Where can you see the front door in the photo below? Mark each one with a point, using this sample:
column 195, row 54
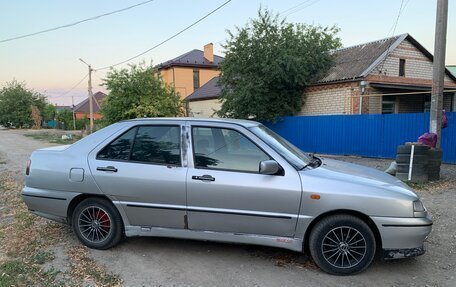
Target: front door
column 142, row 169
column 226, row 192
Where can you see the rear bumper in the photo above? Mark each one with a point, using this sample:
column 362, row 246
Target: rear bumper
column 403, row 237
column 403, row 253
column 50, row 204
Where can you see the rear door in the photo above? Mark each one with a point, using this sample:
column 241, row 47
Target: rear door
column 225, row 191
column 142, row 169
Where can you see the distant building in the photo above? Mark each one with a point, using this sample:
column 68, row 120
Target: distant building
column 392, row 75
column 452, row 69
column 191, row 70
column 204, row 102
column 82, row 110
column 59, row 108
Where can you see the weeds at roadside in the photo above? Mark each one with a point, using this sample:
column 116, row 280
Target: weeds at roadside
column 53, row 138
column 434, row 186
column 82, row 266
column 26, row 247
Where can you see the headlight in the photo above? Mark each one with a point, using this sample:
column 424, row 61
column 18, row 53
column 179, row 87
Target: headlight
column 418, row 209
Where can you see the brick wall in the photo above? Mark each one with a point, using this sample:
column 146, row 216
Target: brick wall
column 204, row 109
column 327, row 99
column 417, row 65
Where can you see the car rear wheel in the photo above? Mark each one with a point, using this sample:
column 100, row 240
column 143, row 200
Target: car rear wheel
column 97, row 223
column 342, row 244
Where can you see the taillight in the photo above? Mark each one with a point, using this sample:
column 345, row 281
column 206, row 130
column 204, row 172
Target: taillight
column 27, row 170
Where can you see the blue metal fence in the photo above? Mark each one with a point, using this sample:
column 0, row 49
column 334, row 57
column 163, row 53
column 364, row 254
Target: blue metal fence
column 363, row 135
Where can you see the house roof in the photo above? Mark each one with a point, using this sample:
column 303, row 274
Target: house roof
column 452, row 69
column 194, row 58
column 83, row 107
column 358, row 61
column 210, row 90
column 351, row 63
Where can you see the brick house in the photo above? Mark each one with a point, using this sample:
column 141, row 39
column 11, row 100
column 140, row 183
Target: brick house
column 204, row 102
column 191, row 70
column 392, row 75
column 82, row 110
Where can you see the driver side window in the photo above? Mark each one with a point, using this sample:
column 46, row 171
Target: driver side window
column 225, row 149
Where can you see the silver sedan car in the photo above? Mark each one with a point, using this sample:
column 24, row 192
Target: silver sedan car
column 224, row 180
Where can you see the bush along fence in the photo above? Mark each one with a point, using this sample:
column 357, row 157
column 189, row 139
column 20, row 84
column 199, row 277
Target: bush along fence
column 362, row 135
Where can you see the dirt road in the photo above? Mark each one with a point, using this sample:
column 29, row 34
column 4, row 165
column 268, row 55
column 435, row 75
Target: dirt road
column 171, row 262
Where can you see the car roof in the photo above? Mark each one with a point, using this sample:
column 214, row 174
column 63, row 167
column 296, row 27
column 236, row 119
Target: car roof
column 245, row 123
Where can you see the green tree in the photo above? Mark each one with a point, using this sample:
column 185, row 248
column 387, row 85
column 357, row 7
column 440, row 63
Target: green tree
column 48, row 112
column 16, row 103
column 138, row 92
column 269, row 62
column 65, row 116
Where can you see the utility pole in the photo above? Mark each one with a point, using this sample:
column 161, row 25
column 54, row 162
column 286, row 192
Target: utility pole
column 72, row 108
column 438, row 74
column 90, row 95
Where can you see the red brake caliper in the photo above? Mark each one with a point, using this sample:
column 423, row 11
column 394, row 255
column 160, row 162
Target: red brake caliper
column 102, row 217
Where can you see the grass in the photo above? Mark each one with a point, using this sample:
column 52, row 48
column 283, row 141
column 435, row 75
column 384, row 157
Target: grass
column 27, row 242
column 53, row 138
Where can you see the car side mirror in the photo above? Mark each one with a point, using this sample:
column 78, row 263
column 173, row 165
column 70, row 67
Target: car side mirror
column 269, row 167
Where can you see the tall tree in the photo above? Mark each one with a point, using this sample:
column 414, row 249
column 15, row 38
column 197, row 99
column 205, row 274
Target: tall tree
column 138, row 92
column 269, row 62
column 16, row 102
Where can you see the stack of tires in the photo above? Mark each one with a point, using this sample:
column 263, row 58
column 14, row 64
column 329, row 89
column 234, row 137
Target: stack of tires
column 435, row 160
column 420, row 163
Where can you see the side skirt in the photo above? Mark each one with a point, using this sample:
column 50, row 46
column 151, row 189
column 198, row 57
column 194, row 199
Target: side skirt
column 294, row 244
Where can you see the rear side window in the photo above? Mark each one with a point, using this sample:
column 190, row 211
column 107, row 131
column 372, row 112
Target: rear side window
column 157, row 144
column 148, row 144
column 120, row 148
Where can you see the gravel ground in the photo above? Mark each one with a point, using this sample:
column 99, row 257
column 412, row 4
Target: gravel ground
column 172, row 262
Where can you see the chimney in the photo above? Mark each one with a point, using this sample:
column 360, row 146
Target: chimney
column 209, row 52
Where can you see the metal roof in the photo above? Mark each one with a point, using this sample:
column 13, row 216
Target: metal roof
column 83, row 107
column 452, row 69
column 194, row 58
column 210, row 90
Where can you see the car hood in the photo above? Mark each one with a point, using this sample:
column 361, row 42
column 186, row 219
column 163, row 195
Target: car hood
column 353, row 174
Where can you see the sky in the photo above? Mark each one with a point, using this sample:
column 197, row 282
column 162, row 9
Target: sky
column 49, row 63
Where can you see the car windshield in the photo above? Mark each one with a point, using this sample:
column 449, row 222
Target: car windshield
column 291, row 153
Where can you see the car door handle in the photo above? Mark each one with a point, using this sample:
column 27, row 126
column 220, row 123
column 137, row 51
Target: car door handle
column 205, row 177
column 107, row 168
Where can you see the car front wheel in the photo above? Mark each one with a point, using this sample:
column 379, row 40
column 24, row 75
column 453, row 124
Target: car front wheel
column 342, row 244
column 97, row 223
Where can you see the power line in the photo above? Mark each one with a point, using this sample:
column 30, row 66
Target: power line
column 394, row 26
column 168, row 39
column 299, row 9
column 295, row 6
column 75, row 23
column 70, row 90
column 393, row 31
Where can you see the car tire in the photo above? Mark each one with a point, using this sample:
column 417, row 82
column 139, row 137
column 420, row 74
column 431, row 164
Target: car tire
column 418, row 169
column 416, row 178
column 97, row 223
column 417, row 159
column 342, row 236
column 418, row 150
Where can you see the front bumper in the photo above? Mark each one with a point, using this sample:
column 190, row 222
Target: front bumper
column 403, row 237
